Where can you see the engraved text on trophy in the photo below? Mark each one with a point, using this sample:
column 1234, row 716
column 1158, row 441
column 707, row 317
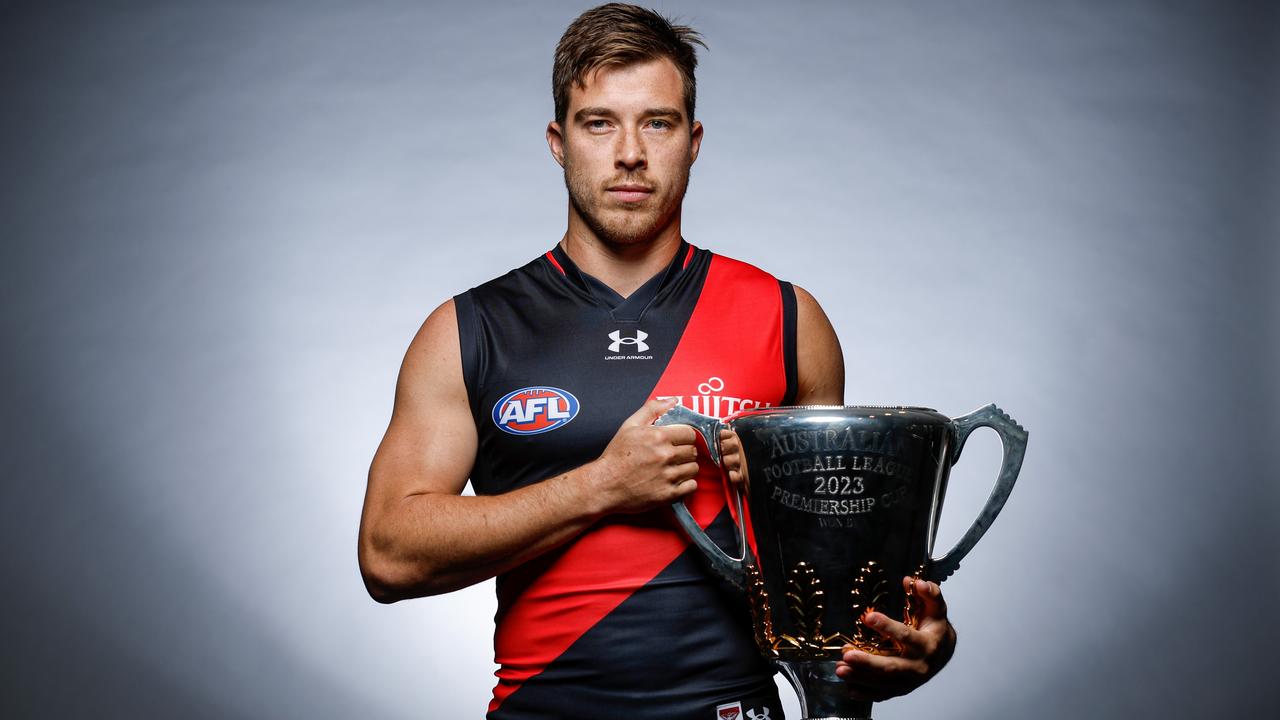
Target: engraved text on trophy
column 834, row 473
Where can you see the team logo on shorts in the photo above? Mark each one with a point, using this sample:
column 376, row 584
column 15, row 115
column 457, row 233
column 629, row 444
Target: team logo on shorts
column 533, row 410
column 729, row 711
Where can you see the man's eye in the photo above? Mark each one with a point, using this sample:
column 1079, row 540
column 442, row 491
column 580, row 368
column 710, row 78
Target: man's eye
column 659, row 124
column 597, row 124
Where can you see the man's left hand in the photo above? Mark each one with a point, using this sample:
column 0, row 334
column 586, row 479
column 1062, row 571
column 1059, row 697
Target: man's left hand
column 923, row 650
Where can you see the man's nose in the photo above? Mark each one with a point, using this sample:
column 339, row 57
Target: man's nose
column 630, row 151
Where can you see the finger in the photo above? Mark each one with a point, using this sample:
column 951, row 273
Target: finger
column 685, row 488
column 927, row 604
column 728, row 442
column 680, row 435
column 933, row 605
column 685, row 471
column 886, row 675
column 878, row 669
column 685, row 453
column 650, row 411
column 911, row 642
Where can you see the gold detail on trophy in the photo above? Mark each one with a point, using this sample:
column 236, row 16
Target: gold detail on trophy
column 873, row 589
column 804, row 600
column 911, row 607
column 761, row 613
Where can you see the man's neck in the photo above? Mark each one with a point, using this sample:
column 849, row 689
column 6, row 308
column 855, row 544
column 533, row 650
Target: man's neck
column 623, row 267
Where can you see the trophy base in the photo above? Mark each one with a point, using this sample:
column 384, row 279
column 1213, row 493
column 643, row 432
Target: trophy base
column 823, row 695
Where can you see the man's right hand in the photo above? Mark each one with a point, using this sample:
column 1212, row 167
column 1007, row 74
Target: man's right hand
column 646, row 466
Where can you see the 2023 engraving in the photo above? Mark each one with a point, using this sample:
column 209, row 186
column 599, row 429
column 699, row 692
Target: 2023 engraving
column 838, row 485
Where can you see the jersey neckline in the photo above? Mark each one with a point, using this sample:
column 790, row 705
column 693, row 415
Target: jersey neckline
column 622, row 309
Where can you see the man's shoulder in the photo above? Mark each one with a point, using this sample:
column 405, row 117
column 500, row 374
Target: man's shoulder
column 520, row 279
column 740, row 270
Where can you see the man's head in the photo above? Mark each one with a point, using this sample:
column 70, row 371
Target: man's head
column 617, row 34
column 624, row 129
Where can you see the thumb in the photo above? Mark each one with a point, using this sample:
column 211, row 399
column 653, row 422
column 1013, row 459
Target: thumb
column 650, row 411
column 928, row 595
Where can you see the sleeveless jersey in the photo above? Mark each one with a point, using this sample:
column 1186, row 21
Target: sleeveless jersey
column 624, row 621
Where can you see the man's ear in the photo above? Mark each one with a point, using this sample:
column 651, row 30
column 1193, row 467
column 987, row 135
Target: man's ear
column 695, row 141
column 555, row 141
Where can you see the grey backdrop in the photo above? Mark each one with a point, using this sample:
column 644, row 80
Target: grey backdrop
column 223, row 222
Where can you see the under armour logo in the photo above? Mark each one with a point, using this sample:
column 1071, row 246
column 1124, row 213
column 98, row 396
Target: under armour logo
column 762, row 715
column 619, row 341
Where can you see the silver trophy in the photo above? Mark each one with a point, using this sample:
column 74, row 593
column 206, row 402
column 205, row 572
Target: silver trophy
column 841, row 504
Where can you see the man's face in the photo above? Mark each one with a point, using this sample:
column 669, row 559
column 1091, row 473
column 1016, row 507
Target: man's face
column 626, row 147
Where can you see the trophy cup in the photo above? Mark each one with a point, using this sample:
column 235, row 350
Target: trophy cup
column 841, row 504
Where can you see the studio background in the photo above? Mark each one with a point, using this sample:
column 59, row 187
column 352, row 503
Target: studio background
column 223, row 222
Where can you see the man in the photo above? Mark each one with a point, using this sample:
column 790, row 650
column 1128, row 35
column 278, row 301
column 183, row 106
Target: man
column 542, row 386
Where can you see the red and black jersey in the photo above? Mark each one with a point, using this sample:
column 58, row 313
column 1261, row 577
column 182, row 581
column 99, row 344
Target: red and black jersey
column 625, row 620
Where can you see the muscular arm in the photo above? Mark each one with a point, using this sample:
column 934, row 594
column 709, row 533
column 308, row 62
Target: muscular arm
column 419, row 536
column 819, row 360
column 819, row 371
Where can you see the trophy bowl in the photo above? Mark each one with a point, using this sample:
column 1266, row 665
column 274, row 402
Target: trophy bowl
column 841, row 503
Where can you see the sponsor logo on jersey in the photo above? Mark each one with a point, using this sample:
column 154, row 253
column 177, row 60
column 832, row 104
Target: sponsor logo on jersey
column 628, row 345
column 533, row 410
column 729, row 711
column 712, row 400
column 761, row 714
column 619, row 340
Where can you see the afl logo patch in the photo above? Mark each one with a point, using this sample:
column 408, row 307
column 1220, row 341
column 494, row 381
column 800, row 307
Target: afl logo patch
column 533, row 410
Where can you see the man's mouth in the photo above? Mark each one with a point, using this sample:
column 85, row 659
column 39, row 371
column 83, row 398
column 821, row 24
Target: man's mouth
column 630, row 192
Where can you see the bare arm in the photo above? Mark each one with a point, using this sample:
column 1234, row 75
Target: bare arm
column 819, row 360
column 819, row 370
column 419, row 536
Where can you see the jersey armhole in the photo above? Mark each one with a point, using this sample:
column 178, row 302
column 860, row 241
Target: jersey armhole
column 789, row 341
column 470, row 346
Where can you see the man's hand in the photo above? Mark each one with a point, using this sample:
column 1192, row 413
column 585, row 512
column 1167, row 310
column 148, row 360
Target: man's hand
column 420, row 536
column 924, row 650
column 731, row 456
column 646, row 466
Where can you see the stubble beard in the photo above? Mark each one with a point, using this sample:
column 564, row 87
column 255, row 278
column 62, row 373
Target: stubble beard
column 625, row 226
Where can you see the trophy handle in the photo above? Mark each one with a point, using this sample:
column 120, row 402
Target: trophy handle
column 730, row 568
column 1014, row 439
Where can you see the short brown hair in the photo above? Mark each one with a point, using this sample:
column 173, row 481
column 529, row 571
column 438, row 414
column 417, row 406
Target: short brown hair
column 620, row 34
